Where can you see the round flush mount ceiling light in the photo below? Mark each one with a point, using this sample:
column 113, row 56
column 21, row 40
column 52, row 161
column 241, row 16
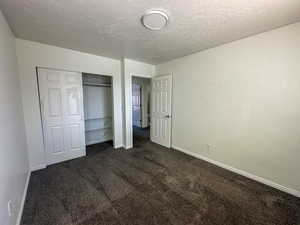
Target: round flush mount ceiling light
column 155, row 19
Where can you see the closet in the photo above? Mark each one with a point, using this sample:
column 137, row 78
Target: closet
column 97, row 102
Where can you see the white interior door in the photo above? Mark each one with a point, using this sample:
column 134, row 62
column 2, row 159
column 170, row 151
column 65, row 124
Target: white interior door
column 136, row 105
column 161, row 110
column 62, row 114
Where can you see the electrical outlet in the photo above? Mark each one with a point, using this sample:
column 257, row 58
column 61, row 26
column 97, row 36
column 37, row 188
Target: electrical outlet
column 9, row 208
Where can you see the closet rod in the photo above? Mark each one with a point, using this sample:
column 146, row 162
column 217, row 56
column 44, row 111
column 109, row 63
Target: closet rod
column 97, row 85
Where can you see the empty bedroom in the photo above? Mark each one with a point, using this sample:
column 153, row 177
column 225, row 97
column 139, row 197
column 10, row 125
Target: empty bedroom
column 149, row 112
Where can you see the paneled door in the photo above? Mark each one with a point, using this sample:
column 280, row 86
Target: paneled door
column 62, row 114
column 136, row 105
column 161, row 110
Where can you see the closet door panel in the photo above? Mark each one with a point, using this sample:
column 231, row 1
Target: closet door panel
column 54, row 103
column 51, row 97
column 74, row 140
column 72, row 99
column 55, row 137
column 73, row 134
column 62, row 114
column 73, row 114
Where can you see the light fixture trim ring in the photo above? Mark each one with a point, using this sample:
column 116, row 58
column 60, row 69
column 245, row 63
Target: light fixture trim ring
column 155, row 12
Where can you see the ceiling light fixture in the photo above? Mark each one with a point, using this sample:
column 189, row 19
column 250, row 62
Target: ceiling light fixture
column 155, row 19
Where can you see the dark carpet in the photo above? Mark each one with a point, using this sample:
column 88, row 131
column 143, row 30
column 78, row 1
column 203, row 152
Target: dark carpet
column 151, row 185
column 141, row 132
column 140, row 136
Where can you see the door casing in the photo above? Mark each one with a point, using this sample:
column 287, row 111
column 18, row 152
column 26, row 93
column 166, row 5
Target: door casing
column 128, row 137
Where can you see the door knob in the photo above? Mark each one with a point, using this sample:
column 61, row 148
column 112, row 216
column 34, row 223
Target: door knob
column 167, row 116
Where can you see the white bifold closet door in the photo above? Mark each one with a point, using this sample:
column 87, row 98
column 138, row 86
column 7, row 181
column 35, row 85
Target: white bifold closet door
column 62, row 114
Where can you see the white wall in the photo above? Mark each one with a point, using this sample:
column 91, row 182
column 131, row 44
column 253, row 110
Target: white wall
column 14, row 168
column 146, row 89
column 242, row 98
column 32, row 55
column 132, row 68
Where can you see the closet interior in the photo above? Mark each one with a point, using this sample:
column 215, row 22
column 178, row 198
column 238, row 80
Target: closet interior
column 97, row 102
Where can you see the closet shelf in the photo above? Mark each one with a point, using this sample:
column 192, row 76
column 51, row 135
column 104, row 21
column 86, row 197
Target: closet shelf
column 96, row 85
column 98, row 118
column 97, row 108
column 103, row 128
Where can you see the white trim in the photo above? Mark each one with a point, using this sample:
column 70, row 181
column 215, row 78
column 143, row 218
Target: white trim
column 38, row 167
column 118, row 146
column 129, row 147
column 242, row 172
column 19, row 218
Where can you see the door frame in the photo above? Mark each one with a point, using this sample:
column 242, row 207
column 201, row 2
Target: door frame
column 128, row 106
column 113, row 90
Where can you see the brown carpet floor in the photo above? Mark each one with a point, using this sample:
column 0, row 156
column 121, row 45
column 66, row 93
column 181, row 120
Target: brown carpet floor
column 151, row 185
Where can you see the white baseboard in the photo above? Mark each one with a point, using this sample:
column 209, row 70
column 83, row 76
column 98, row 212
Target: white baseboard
column 242, row 172
column 19, row 218
column 128, row 147
column 38, row 167
column 118, row 146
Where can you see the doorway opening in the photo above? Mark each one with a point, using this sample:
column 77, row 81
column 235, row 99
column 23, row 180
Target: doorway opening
column 98, row 111
column 141, row 120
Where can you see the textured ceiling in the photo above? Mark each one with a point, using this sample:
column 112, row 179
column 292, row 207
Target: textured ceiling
column 112, row 28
